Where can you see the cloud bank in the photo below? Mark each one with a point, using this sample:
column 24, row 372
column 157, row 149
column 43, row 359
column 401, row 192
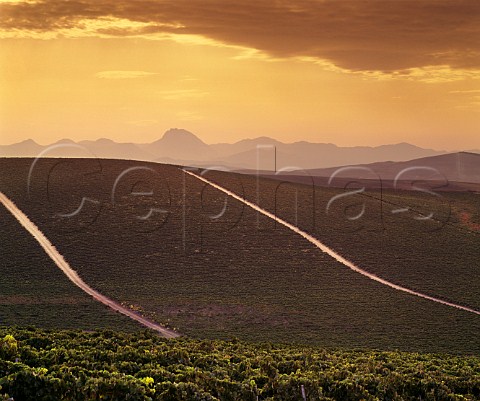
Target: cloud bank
column 357, row 35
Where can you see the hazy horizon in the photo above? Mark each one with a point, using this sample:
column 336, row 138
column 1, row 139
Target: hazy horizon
column 348, row 73
column 246, row 138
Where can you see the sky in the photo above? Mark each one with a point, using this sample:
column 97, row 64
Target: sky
column 349, row 72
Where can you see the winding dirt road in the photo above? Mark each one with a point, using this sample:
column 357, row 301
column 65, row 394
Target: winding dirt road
column 329, row 251
column 72, row 275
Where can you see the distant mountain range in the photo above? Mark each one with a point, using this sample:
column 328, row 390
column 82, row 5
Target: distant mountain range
column 178, row 146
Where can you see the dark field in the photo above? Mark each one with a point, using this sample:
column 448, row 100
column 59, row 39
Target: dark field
column 239, row 274
column 439, row 256
column 34, row 291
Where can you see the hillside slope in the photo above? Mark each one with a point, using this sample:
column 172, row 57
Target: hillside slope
column 456, row 167
column 213, row 268
column 34, row 292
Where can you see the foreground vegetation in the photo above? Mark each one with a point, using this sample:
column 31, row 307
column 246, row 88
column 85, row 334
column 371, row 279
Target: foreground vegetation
column 72, row 365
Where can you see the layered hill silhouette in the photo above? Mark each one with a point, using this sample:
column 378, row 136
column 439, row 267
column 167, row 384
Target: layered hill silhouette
column 179, row 146
column 457, row 167
column 458, row 171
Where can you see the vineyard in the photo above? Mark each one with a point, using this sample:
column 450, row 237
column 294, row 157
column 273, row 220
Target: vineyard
column 212, row 268
column 34, row 291
column 390, row 238
column 70, row 365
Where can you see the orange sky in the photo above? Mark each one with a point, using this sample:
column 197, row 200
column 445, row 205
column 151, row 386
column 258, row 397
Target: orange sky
column 348, row 72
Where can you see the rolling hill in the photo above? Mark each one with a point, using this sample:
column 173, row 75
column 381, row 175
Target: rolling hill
column 456, row 167
column 188, row 257
column 34, row 292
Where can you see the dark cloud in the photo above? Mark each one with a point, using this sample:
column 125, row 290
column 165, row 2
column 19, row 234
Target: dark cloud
column 358, row 35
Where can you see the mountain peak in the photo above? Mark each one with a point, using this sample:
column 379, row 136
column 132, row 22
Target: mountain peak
column 180, row 135
column 104, row 141
column 179, row 144
column 64, row 141
column 259, row 140
column 27, row 142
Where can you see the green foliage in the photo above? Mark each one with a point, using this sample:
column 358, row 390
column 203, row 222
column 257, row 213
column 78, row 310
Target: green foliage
column 8, row 347
column 79, row 366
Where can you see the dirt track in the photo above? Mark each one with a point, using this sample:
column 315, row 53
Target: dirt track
column 72, row 275
column 330, row 251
